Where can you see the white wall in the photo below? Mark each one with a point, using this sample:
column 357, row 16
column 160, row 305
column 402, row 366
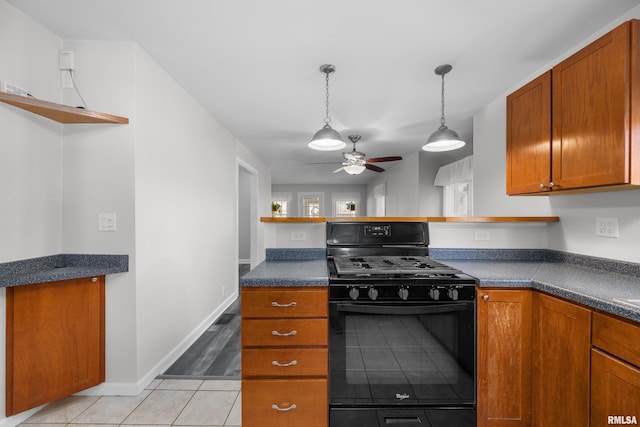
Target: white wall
column 99, row 178
column 30, row 146
column 402, row 182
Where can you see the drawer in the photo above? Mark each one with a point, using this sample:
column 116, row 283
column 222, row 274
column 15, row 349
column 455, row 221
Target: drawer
column 284, row 332
column 285, row 302
column 285, row 362
column 285, row 403
column 616, row 336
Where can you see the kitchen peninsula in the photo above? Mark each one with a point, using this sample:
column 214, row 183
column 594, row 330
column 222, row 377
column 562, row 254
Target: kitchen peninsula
column 63, row 295
column 570, row 324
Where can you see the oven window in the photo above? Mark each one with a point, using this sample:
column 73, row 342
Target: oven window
column 379, row 359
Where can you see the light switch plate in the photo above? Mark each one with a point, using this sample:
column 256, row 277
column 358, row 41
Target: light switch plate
column 107, row 222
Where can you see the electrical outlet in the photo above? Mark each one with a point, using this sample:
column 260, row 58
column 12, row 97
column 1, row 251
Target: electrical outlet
column 481, row 235
column 298, row 235
column 607, row 227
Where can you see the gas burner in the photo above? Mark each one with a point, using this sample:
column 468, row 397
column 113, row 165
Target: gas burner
column 391, row 265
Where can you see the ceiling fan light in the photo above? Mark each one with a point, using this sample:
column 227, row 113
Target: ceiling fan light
column 354, row 169
column 327, row 139
column 444, row 139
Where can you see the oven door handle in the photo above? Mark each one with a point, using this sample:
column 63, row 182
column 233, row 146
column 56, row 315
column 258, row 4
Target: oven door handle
column 401, row 309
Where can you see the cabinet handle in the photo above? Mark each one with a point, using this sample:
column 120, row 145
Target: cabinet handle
column 288, row 334
column 276, row 304
column 277, row 408
column 284, row 365
column 552, row 184
column 94, row 280
column 485, row 297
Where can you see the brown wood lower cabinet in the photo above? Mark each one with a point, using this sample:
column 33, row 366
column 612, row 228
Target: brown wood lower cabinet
column 504, row 358
column 561, row 354
column 536, row 365
column 615, row 391
column 285, row 357
column 55, row 341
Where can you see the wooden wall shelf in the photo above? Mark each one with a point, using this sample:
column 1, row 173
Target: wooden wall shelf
column 58, row 112
column 457, row 219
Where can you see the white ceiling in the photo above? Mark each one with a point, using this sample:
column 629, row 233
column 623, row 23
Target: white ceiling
column 255, row 63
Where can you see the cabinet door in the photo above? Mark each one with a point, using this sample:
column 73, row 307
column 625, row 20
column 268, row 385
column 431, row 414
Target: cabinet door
column 591, row 128
column 529, row 137
column 504, row 358
column 561, row 352
column 55, row 341
column 615, row 391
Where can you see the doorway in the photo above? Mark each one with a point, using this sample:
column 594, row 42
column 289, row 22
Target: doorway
column 247, row 213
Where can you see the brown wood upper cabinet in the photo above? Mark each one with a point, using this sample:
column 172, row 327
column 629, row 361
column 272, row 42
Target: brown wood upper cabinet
column 577, row 127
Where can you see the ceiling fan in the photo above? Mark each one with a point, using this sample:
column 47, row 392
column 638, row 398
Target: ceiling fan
column 355, row 163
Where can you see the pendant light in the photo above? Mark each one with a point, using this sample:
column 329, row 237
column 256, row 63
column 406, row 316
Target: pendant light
column 327, row 138
column 444, row 139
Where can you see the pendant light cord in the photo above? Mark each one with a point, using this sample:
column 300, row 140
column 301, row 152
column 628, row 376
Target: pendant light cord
column 327, row 119
column 442, row 125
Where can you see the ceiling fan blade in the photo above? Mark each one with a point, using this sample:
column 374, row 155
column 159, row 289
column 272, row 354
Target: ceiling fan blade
column 373, row 168
column 384, row 159
column 338, row 170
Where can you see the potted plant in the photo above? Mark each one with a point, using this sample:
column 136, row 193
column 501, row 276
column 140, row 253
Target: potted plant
column 276, row 209
column 351, row 206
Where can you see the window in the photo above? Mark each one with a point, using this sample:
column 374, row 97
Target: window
column 311, row 204
column 345, row 207
column 279, row 208
column 456, row 199
column 456, row 180
column 346, row 204
column 280, row 203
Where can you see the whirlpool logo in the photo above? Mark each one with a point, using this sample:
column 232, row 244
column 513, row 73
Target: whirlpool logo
column 402, row 396
column 622, row 419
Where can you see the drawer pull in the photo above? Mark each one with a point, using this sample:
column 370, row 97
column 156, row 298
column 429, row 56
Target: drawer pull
column 277, row 304
column 277, row 408
column 288, row 334
column 284, row 365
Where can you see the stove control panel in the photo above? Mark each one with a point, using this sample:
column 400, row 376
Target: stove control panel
column 383, row 230
column 400, row 292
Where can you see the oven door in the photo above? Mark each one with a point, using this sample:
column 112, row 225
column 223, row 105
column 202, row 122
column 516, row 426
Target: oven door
column 387, row 356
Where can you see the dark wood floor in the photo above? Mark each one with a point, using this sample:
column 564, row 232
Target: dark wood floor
column 216, row 353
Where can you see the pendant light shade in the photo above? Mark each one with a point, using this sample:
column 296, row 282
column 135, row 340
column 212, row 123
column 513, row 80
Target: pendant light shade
column 327, row 138
column 444, row 139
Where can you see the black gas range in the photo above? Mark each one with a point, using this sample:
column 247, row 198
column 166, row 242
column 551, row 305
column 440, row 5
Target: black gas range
column 402, row 329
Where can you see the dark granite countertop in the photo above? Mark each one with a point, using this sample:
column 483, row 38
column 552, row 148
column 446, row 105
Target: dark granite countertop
column 60, row 267
column 290, row 267
column 594, row 282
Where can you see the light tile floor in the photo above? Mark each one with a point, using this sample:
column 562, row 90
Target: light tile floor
column 163, row 403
